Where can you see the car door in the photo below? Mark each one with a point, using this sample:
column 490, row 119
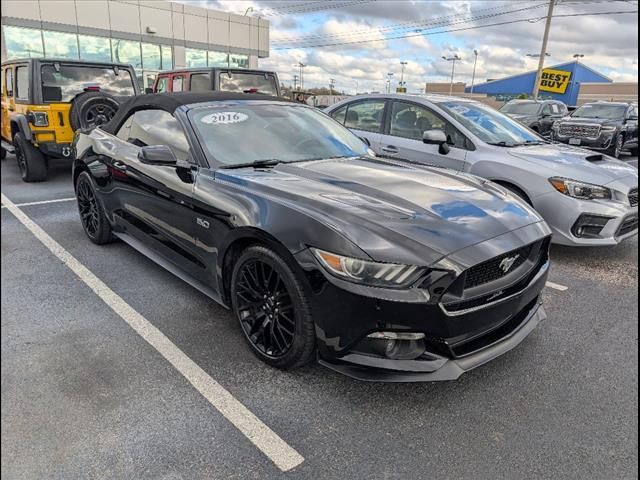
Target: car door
column 631, row 135
column 8, row 102
column 155, row 201
column 178, row 81
column 405, row 124
column 365, row 118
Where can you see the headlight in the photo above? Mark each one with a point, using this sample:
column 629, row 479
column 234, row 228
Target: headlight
column 609, row 128
column 38, row 119
column 389, row 275
column 575, row 189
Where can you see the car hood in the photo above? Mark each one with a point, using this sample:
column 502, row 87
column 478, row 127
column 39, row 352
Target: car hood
column 386, row 208
column 574, row 163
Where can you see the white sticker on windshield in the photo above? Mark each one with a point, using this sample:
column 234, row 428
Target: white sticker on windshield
column 224, row 118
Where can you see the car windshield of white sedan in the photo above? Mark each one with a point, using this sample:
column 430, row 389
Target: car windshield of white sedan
column 489, row 125
column 528, row 108
column 241, row 134
column 608, row 112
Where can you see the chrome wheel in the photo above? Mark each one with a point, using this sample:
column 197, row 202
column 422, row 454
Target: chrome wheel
column 265, row 309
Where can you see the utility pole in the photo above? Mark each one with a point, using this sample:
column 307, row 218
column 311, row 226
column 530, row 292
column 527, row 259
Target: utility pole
column 332, row 82
column 453, row 61
column 301, row 65
column 543, row 50
column 473, row 76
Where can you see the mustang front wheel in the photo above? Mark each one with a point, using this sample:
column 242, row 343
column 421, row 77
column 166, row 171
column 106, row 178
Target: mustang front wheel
column 270, row 304
column 94, row 221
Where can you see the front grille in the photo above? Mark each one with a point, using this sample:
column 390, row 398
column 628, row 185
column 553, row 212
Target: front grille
column 579, row 131
column 629, row 225
column 491, row 269
column 633, row 197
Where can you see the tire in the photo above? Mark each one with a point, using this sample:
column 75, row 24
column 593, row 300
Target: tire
column 263, row 287
column 94, row 221
column 92, row 109
column 3, row 154
column 32, row 163
column 616, row 148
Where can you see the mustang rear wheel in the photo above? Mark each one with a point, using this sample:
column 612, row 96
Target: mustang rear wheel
column 270, row 304
column 94, row 221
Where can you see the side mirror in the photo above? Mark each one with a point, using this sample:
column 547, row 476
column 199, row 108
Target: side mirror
column 148, row 90
column 157, row 155
column 436, row 137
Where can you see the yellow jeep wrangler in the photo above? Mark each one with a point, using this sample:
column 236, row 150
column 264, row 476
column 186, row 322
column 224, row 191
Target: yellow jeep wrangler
column 44, row 101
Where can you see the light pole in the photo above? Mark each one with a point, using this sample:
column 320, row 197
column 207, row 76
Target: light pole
column 543, row 50
column 389, row 75
column 356, row 87
column 473, row 76
column 332, row 82
column 402, row 73
column 453, row 61
column 301, row 66
column 578, row 55
column 295, row 82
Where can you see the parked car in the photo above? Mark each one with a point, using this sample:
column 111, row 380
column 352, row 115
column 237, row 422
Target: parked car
column 238, row 80
column 586, row 198
column 384, row 270
column 611, row 127
column 45, row 101
column 538, row 115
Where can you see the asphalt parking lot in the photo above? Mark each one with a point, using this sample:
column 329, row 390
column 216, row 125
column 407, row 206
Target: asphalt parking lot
column 85, row 396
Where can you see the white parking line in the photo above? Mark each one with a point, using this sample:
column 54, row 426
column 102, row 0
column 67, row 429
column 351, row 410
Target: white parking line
column 557, row 286
column 42, row 202
column 265, row 439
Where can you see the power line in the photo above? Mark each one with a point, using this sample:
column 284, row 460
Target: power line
column 510, row 22
column 315, row 8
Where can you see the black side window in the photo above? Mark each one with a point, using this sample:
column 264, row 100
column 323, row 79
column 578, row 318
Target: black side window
column 200, row 82
column 9, row 81
column 339, row 114
column 155, row 127
column 546, row 110
column 22, row 83
column 366, row 116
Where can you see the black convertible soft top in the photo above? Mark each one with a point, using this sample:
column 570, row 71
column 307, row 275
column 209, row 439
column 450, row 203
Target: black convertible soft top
column 169, row 102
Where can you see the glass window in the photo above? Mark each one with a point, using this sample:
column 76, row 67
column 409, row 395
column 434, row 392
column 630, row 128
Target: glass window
column 218, row 59
column 339, row 114
column 365, row 115
column 94, row 49
column 177, row 84
column 60, row 45
column 248, row 82
column 521, row 108
column 200, row 82
column 600, row 110
column 167, row 57
column 489, row 125
column 195, row 58
column 238, row 61
column 546, row 110
column 70, row 80
column 151, row 56
column 555, row 108
column 22, row 83
column 409, row 120
column 9, row 81
column 163, row 85
column 23, row 42
column 224, row 130
column 155, row 127
column 125, row 51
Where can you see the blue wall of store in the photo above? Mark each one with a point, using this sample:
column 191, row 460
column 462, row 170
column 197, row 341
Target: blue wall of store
column 523, row 83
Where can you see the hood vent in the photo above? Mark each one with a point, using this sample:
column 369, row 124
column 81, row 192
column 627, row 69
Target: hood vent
column 594, row 158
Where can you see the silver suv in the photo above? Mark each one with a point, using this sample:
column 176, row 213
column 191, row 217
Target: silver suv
column 586, row 198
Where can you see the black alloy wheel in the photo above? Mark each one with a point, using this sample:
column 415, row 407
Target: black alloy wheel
column 94, row 221
column 270, row 304
column 98, row 114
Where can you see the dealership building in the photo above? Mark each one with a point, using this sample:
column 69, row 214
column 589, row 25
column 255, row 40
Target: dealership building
column 151, row 35
column 561, row 82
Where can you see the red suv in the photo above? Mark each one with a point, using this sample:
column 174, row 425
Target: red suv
column 219, row 79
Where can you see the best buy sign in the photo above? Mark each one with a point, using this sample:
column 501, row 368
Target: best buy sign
column 555, row 81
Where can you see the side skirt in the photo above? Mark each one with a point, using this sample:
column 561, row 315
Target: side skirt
column 152, row 255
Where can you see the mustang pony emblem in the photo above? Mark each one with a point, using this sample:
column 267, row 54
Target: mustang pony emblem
column 508, row 262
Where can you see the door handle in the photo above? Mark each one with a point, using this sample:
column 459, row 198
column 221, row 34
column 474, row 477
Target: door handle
column 119, row 165
column 390, row 149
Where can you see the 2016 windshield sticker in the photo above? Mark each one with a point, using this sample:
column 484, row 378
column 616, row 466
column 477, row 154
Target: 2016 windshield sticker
column 224, row 118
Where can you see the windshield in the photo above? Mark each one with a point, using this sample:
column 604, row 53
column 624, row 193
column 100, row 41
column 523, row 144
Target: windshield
column 70, row 80
column 610, row 112
column 241, row 133
column 489, row 125
column 521, row 108
column 248, row 83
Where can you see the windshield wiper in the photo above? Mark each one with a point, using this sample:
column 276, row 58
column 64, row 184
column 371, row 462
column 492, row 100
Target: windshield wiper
column 269, row 162
column 503, row 144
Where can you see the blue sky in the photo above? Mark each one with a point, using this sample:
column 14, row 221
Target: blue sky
column 609, row 42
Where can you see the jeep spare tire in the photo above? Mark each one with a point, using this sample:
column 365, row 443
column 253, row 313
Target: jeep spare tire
column 92, row 109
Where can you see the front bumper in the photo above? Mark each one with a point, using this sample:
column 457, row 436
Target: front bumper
column 56, row 150
column 602, row 142
column 562, row 212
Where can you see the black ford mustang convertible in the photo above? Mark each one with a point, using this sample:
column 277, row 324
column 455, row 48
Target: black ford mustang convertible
column 382, row 270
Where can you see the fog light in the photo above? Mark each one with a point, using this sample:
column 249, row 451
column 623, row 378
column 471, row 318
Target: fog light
column 589, row 226
column 399, row 345
column 397, row 335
